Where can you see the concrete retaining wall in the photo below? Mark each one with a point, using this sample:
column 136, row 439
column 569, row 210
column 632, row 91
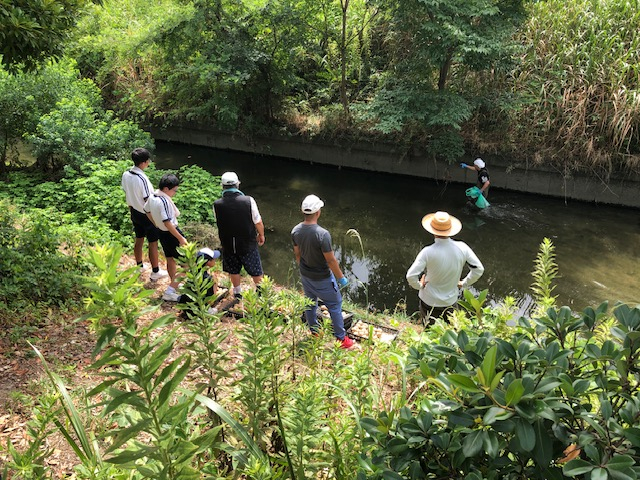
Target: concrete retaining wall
column 624, row 191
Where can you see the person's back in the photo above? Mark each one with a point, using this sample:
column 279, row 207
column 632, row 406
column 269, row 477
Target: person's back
column 241, row 232
column 311, row 239
column 236, row 229
column 320, row 272
column 138, row 189
column 436, row 271
column 445, row 262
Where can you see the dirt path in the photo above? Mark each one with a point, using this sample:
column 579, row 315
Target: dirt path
column 66, row 344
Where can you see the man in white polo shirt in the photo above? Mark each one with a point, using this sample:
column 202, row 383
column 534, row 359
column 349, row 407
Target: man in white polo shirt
column 164, row 214
column 138, row 188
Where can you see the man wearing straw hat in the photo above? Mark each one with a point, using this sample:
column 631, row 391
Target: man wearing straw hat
column 437, row 269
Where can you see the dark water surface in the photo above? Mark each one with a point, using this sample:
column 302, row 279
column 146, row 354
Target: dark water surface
column 597, row 247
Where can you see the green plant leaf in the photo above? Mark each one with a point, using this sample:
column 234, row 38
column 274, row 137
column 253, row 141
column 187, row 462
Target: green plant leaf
column 633, row 435
column 620, row 462
column 491, row 443
column 576, row 467
column 463, row 382
column 599, row 474
column 240, row 431
column 515, row 390
column 472, row 443
column 526, row 434
column 489, row 366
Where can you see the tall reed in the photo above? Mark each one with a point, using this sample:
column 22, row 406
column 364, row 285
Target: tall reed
column 579, row 84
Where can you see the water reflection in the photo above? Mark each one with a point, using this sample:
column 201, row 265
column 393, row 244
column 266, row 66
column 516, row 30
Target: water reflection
column 596, row 246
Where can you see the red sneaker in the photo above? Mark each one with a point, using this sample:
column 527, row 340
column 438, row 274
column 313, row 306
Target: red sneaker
column 347, row 343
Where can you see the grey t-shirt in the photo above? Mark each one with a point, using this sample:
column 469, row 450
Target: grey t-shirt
column 313, row 241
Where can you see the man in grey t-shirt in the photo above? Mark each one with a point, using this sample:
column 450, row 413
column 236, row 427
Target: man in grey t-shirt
column 319, row 269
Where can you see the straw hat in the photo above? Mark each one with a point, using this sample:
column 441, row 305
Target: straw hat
column 441, row 224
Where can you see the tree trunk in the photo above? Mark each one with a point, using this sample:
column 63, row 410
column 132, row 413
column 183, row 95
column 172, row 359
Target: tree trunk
column 444, row 72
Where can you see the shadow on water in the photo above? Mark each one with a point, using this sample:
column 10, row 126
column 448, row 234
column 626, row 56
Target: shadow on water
column 596, row 246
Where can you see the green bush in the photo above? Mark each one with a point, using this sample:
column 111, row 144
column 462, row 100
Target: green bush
column 518, row 407
column 77, row 132
column 34, row 269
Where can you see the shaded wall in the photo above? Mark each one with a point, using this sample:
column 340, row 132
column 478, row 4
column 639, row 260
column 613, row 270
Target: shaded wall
column 623, row 191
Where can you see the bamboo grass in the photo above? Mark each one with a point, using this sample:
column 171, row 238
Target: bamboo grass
column 579, row 77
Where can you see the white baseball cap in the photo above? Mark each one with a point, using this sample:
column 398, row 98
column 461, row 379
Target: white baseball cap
column 229, row 178
column 208, row 254
column 478, row 162
column 311, row 204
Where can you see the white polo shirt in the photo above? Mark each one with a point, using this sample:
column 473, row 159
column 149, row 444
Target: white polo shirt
column 162, row 208
column 137, row 187
column 442, row 262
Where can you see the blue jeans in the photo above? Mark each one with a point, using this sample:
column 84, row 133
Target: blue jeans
column 326, row 290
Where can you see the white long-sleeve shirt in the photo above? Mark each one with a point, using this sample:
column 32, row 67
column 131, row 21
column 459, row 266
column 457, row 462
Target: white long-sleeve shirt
column 442, row 262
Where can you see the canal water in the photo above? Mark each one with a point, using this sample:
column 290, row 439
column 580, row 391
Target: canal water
column 597, row 246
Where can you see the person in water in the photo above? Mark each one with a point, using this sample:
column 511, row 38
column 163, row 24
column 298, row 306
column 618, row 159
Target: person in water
column 483, row 175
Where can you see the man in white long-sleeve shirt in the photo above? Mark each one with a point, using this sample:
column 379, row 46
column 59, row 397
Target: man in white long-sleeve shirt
column 437, row 269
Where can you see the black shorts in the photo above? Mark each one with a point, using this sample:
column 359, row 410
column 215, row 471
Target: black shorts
column 233, row 262
column 143, row 227
column 169, row 244
column 429, row 314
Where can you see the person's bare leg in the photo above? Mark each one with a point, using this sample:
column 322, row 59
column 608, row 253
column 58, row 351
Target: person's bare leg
column 153, row 254
column 235, row 279
column 137, row 249
column 172, row 268
column 257, row 280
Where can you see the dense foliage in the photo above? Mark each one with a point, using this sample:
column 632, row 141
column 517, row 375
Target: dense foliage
column 42, row 247
column 550, row 82
column 32, row 31
column 553, row 397
column 545, row 81
column 253, row 65
column 578, row 81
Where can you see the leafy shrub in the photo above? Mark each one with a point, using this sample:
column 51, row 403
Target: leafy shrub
column 77, row 131
column 33, row 267
column 92, row 195
column 25, row 97
column 198, row 190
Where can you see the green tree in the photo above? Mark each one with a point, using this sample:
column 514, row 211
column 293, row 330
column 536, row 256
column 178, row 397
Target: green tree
column 77, row 131
column 429, row 43
column 25, row 97
column 32, row 30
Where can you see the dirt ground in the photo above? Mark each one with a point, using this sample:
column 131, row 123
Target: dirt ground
column 67, row 347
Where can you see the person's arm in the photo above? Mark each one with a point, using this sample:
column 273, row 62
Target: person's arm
column 332, row 261
column 296, row 252
column 415, row 272
column 150, row 217
column 174, row 231
column 260, row 229
column 147, row 211
column 485, row 185
column 476, row 269
column 257, row 220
